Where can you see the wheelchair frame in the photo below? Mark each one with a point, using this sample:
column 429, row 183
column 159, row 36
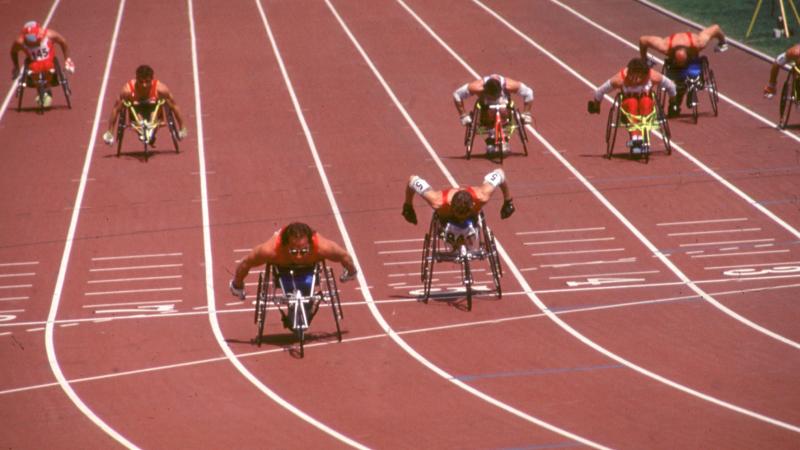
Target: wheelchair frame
column 515, row 122
column 286, row 300
column 42, row 85
column 704, row 82
column 435, row 250
column 656, row 118
column 146, row 129
column 790, row 95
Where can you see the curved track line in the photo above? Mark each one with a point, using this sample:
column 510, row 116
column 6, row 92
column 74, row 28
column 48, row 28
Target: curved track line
column 14, row 82
column 212, row 309
column 656, row 252
column 527, row 288
column 52, row 359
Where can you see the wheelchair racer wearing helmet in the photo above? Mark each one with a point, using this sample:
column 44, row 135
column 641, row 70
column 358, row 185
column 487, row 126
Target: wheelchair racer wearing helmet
column 492, row 90
column 296, row 247
column 637, row 82
column 458, row 207
column 790, row 56
column 682, row 51
column 38, row 44
column 143, row 91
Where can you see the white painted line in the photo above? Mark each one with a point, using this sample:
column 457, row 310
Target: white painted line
column 590, row 263
column 34, row 330
column 696, row 233
column 401, row 263
column 784, row 263
column 155, row 255
column 694, row 222
column 67, row 325
column 9, row 299
column 120, row 280
column 399, row 241
column 9, row 311
column 105, row 305
column 16, row 264
column 578, row 252
column 159, row 266
column 13, row 275
column 740, row 254
column 131, row 291
column 569, row 241
column 392, row 252
column 16, row 286
column 5, row 333
column 746, row 241
column 727, row 249
column 643, row 272
column 696, row 252
column 564, row 230
column 242, row 250
column 764, row 245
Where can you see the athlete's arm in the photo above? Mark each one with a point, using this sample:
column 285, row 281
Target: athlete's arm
column 259, row 255
column 166, row 94
column 332, row 251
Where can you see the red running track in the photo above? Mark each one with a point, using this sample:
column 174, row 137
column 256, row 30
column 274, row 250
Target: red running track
column 645, row 306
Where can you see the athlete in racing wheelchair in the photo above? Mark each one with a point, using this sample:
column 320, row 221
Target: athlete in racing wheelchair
column 790, row 92
column 686, row 67
column 458, row 231
column 636, row 107
column 144, row 105
column 296, row 279
column 41, row 69
column 494, row 114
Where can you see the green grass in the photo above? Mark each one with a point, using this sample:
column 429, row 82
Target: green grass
column 734, row 17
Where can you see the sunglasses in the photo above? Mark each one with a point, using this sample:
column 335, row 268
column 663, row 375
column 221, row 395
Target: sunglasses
column 299, row 251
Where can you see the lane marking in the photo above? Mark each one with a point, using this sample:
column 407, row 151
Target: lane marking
column 133, row 291
column 753, row 265
column 740, row 254
column 644, row 272
column 578, row 252
column 154, row 302
column 159, row 266
column 747, row 241
column 693, row 222
column 696, row 233
column 399, row 241
column 16, row 286
column 14, row 264
column 9, row 299
column 590, row 263
column 155, row 255
column 393, row 252
column 122, row 280
column 564, row 230
column 569, row 241
column 15, row 275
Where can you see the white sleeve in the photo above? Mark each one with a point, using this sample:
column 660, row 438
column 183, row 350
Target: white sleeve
column 525, row 92
column 419, row 185
column 669, row 85
column 780, row 59
column 461, row 93
column 603, row 90
column 495, row 177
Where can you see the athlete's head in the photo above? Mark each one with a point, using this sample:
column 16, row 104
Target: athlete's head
column 637, row 71
column 462, row 204
column 296, row 239
column 680, row 55
column 144, row 72
column 492, row 87
column 32, row 32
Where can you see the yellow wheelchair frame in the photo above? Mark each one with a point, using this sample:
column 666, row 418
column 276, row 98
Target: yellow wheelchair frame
column 146, row 128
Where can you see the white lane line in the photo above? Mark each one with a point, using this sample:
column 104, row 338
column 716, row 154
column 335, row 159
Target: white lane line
column 362, row 280
column 578, row 252
column 643, row 272
column 399, row 241
column 15, row 275
column 67, row 325
column 122, row 280
column 564, row 230
column 565, row 326
column 590, row 263
column 747, row 241
column 154, row 255
column 569, row 241
column 209, row 274
column 159, row 266
column 699, row 233
column 392, row 252
column 13, row 87
column 400, row 263
column 133, row 291
column 10, row 299
column 9, row 311
column 764, row 245
column 154, row 302
column 740, row 254
column 15, row 264
column 694, row 222
column 16, row 286
column 52, row 358
column 776, row 264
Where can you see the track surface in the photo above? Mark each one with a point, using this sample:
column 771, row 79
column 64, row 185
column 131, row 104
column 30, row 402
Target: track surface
column 645, row 305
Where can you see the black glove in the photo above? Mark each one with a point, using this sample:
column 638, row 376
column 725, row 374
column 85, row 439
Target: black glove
column 409, row 214
column 593, row 107
column 507, row 210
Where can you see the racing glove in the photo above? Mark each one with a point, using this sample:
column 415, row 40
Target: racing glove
column 593, row 107
column 69, row 66
column 526, row 118
column 108, row 138
column 466, row 119
column 721, row 47
column 507, row 210
column 237, row 292
column 183, row 133
column 409, row 214
column 347, row 276
column 769, row 90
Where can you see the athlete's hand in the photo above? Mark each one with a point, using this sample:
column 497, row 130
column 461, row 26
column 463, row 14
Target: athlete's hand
column 347, row 276
column 69, row 66
column 183, row 133
column 108, row 138
column 409, row 214
column 466, row 119
column 507, row 210
column 769, row 91
column 593, row 107
column 721, row 47
column 237, row 292
column 526, row 118
column 651, row 61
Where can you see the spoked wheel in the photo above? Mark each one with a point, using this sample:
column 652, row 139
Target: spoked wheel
column 786, row 101
column 64, row 82
column 261, row 304
column 301, row 336
column 663, row 124
column 471, row 130
column 713, row 93
column 426, row 270
column 173, row 128
column 523, row 132
column 333, row 298
column 494, row 259
column 121, row 131
column 41, row 89
column 20, row 89
column 467, row 275
column 612, row 125
column 692, row 94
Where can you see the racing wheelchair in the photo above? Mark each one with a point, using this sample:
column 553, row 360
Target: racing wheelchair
column 695, row 82
column 618, row 117
column 503, row 128
column 790, row 95
column 40, row 81
column 297, row 294
column 461, row 244
column 145, row 119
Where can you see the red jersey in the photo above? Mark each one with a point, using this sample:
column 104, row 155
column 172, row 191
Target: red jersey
column 152, row 96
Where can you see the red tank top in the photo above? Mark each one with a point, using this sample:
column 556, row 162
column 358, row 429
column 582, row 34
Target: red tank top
column 152, row 96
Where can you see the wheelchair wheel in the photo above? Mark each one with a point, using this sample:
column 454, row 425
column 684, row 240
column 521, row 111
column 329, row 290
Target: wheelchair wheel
column 121, row 130
column 63, row 81
column 41, row 89
column 711, row 87
column 261, row 304
column 466, row 273
column 471, row 130
column 691, row 94
column 332, row 296
column 612, row 125
column 426, row 271
column 786, row 101
column 20, row 90
column 663, row 128
column 490, row 248
column 173, row 129
column 523, row 132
